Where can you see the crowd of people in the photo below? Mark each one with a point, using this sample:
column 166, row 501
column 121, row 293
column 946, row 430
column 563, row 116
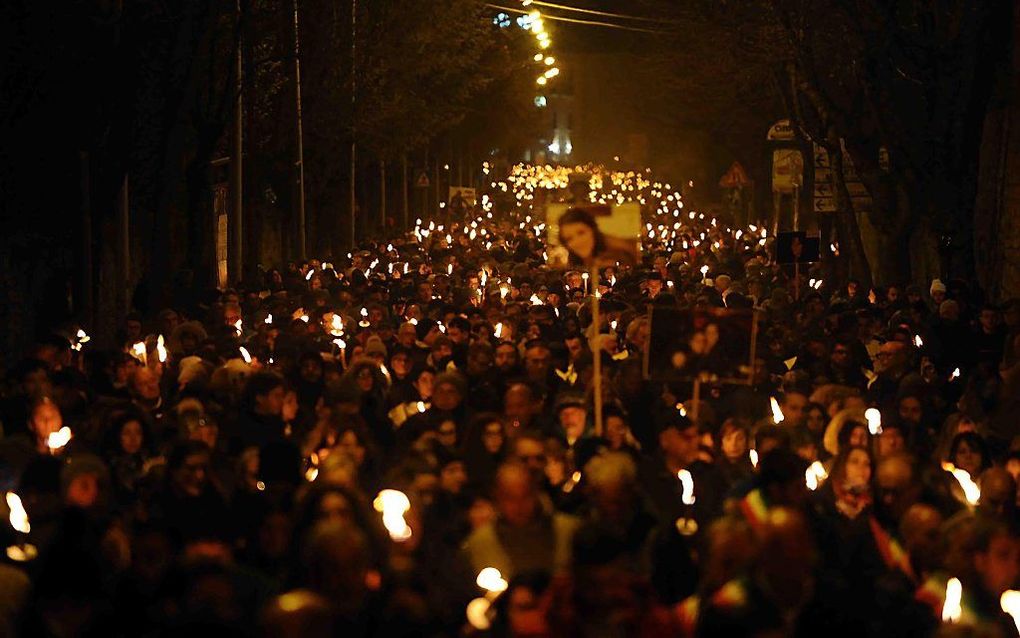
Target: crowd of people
column 402, row 442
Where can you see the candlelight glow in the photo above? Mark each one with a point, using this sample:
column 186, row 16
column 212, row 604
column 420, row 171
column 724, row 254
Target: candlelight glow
column 971, row 491
column 161, row 349
column 951, row 609
column 1010, row 603
column 421, row 406
column 874, row 417
column 393, row 504
column 59, row 439
column 237, row 327
column 491, row 580
column 777, row 412
column 918, row 341
column 753, row 455
column 478, row 613
column 245, row 354
column 955, row 375
column 336, row 326
column 815, row 475
column 139, row 352
column 687, row 487
column 498, row 330
column 18, row 515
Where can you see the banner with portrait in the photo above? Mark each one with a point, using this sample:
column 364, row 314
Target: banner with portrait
column 593, row 234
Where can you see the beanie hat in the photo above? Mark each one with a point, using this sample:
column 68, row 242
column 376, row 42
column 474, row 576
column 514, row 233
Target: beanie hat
column 937, row 286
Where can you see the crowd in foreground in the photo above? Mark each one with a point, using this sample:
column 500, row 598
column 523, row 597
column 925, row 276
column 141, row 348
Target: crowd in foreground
column 352, row 448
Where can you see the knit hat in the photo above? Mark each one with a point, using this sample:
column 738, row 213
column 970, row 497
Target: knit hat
column 937, row 286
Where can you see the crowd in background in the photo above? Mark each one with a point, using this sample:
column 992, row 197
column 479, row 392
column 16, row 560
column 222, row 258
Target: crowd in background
column 228, row 474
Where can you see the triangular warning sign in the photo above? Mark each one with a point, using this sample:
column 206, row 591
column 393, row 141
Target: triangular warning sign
column 735, row 177
column 422, row 181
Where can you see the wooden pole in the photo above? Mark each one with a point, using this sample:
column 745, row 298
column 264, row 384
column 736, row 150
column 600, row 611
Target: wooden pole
column 596, row 349
column 382, row 198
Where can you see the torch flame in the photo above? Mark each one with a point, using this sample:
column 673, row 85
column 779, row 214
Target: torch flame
column 393, row 504
column 18, row 516
column 687, row 487
column 951, row 609
column 777, row 412
column 874, row 417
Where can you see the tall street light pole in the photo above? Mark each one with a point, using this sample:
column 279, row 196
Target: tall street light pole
column 299, row 160
column 354, row 93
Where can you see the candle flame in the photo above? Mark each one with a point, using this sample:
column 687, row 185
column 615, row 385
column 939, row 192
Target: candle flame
column 951, row 608
column 245, row 354
column 490, row 579
column 777, row 412
column 498, row 330
column 918, row 341
column 339, row 343
column 815, row 475
column 308, row 277
column 955, row 375
column 269, row 318
column 687, row 487
column 874, row 417
column 18, row 515
column 59, row 439
column 393, row 504
column 161, row 349
column 753, row 455
column 535, row 301
column 139, row 352
column 421, row 406
column 336, row 326
column 971, row 491
column 1010, row 603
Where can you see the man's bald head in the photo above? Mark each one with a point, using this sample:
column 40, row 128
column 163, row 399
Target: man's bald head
column 514, row 494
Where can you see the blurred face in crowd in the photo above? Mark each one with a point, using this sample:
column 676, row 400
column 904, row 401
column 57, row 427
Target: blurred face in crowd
column 83, row 490
column 515, row 498
column 493, row 437
column 989, row 320
column 896, row 487
column 968, row 458
column 365, row 378
column 840, row 356
column 45, row 420
column 406, row 335
column 794, row 406
column 890, row 441
column 400, row 365
column 191, row 476
column 423, row 384
column 447, row 434
column 36, row 384
column 350, row 444
column 271, row 403
column 815, row 419
column 446, row 396
column 531, row 454
column 891, row 357
column 858, row 468
column 506, row 357
column 572, row 420
column 145, row 384
column 311, row 370
column 910, row 410
column 734, row 444
column 998, row 565
column 452, row 477
column 616, row 431
column 519, row 406
column 536, row 363
column 680, row 446
column 131, row 437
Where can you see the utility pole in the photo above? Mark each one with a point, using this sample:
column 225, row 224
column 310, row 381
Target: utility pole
column 299, row 160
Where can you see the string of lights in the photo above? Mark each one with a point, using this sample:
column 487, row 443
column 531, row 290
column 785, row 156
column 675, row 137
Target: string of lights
column 594, row 23
column 606, row 14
